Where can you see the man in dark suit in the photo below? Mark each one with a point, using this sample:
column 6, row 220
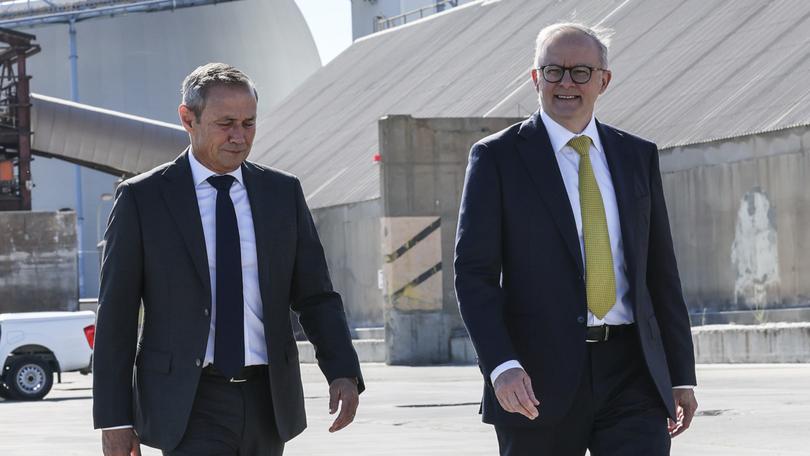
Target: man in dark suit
column 218, row 249
column 566, row 275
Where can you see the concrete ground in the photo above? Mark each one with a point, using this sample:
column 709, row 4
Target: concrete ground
column 744, row 410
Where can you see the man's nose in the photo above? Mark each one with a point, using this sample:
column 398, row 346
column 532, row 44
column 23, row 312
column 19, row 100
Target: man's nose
column 237, row 135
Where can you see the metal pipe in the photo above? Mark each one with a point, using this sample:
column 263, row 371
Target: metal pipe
column 62, row 17
column 74, row 95
column 74, row 62
column 24, row 129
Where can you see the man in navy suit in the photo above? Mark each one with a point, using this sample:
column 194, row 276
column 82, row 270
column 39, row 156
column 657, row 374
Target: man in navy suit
column 216, row 250
column 566, row 275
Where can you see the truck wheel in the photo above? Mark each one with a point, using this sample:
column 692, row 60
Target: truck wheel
column 28, row 378
column 4, row 392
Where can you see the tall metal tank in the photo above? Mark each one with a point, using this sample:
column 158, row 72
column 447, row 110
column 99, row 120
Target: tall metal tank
column 135, row 63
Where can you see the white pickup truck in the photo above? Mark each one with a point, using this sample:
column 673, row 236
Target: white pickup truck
column 35, row 345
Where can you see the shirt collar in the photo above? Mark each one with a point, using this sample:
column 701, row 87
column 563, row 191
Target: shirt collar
column 200, row 173
column 560, row 135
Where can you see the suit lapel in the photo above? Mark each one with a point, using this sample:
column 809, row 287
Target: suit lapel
column 181, row 198
column 536, row 151
column 620, row 162
column 265, row 207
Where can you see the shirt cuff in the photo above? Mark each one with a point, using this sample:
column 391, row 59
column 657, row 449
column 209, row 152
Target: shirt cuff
column 683, row 387
column 126, row 426
column 511, row 364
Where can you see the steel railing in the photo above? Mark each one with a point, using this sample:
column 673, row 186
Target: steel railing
column 382, row 23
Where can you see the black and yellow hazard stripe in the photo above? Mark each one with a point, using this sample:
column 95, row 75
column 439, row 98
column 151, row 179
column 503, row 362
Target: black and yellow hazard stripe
column 415, row 282
column 391, row 257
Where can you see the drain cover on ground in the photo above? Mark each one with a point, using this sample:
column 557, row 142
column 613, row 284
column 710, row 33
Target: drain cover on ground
column 716, row 412
column 457, row 404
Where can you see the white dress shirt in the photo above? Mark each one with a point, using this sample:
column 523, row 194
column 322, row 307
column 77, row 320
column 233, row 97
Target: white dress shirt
column 255, row 345
column 568, row 160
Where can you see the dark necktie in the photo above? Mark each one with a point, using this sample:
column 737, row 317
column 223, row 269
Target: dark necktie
column 229, row 339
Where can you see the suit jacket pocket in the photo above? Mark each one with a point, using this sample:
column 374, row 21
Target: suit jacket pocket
column 154, row 361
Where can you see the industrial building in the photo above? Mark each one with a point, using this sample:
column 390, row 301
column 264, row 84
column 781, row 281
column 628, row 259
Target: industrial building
column 130, row 56
column 379, row 138
column 721, row 87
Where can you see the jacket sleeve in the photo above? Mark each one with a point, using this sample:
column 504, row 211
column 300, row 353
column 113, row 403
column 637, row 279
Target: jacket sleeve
column 117, row 317
column 478, row 261
column 664, row 285
column 319, row 307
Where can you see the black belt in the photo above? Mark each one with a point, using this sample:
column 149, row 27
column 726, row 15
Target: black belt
column 246, row 374
column 606, row 332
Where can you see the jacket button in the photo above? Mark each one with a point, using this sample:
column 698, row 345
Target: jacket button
column 198, row 362
column 206, row 312
column 580, row 319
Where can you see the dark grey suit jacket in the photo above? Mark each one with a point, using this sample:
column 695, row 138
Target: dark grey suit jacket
column 155, row 254
column 519, row 272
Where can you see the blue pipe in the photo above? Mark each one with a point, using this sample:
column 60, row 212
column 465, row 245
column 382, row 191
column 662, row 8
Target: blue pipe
column 74, row 95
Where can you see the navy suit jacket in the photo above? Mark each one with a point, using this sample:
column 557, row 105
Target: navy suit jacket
column 519, row 275
column 155, row 255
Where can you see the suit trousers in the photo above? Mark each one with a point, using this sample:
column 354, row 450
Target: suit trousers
column 616, row 411
column 231, row 419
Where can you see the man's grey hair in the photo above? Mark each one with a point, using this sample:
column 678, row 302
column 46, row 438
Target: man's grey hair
column 203, row 78
column 600, row 37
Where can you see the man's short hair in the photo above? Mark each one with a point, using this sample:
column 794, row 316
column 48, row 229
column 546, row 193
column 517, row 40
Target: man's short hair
column 600, row 36
column 203, row 78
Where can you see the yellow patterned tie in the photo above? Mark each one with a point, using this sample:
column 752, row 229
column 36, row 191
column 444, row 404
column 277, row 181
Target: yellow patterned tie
column 600, row 281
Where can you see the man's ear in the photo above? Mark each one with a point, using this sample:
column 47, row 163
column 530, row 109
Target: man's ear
column 535, row 80
column 187, row 117
column 606, row 75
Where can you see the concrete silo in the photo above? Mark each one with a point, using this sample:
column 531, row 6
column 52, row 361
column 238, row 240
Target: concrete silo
column 134, row 63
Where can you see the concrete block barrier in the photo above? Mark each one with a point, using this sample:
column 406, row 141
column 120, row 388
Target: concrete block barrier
column 368, row 351
column 764, row 343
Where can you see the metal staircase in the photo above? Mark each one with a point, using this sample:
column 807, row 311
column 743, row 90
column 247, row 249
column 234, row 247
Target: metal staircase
column 15, row 120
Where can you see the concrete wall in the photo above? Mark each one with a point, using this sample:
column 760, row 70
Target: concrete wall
column 54, row 189
column 38, row 261
column 740, row 211
column 763, row 343
column 422, row 175
column 350, row 234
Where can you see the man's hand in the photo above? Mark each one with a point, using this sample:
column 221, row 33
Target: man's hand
column 343, row 390
column 515, row 394
column 120, row 442
column 685, row 407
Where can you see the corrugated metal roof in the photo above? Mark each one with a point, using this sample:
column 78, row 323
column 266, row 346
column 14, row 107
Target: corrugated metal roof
column 106, row 140
column 684, row 72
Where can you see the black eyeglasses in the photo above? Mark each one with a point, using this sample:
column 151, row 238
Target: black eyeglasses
column 580, row 74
